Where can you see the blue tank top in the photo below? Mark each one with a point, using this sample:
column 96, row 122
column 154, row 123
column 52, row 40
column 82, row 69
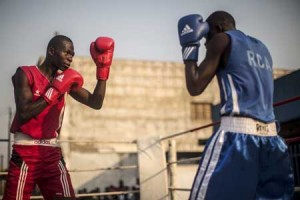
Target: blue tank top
column 246, row 82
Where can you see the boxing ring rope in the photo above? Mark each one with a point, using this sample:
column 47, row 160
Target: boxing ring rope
column 97, row 194
column 96, row 169
column 180, row 189
column 190, row 130
column 286, row 101
column 97, row 141
column 292, row 140
column 184, row 160
column 107, row 168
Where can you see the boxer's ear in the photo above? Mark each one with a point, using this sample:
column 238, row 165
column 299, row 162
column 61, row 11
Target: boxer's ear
column 51, row 51
column 220, row 27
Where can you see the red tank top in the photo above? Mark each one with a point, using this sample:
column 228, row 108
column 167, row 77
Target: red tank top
column 47, row 124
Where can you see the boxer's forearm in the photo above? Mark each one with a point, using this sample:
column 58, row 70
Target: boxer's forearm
column 30, row 110
column 93, row 100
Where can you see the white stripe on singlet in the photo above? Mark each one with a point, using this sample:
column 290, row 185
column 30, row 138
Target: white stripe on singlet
column 225, row 97
column 64, row 179
column 22, row 181
column 235, row 105
column 49, row 93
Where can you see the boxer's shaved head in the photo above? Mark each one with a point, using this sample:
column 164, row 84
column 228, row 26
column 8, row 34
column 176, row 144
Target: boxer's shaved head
column 57, row 41
column 221, row 18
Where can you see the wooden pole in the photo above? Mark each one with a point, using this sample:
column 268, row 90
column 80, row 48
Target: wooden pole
column 172, row 166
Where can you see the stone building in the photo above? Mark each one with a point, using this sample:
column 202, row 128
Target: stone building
column 142, row 98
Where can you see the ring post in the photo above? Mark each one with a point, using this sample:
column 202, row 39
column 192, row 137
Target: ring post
column 152, row 169
column 172, row 166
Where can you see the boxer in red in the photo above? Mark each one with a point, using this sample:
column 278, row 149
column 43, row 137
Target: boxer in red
column 40, row 93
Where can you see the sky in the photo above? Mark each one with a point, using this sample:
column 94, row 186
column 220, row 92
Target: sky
column 142, row 30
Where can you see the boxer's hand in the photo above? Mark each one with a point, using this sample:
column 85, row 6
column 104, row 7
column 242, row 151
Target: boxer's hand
column 191, row 29
column 102, row 51
column 62, row 83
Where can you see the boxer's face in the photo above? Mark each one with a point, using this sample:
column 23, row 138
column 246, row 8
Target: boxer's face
column 214, row 28
column 212, row 31
column 62, row 55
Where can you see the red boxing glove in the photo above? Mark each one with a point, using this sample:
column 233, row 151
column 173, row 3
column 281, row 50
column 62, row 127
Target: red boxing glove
column 102, row 51
column 62, row 83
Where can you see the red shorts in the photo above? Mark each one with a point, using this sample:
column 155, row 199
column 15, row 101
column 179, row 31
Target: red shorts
column 41, row 165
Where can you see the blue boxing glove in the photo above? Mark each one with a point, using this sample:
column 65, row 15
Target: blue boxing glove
column 191, row 29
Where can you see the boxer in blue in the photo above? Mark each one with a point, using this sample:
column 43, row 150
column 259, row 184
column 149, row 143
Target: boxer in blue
column 245, row 159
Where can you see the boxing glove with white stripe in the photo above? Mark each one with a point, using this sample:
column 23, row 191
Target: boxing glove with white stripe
column 191, row 29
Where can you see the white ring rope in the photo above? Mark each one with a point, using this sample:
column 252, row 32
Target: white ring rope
column 97, row 141
column 96, row 169
column 297, row 189
column 108, row 168
column 107, row 193
column 180, row 189
column 184, row 160
column 96, row 194
column 188, row 131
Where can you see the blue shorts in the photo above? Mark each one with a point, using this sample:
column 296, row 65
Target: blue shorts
column 244, row 160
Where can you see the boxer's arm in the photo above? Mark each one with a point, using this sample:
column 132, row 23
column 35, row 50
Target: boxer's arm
column 63, row 82
column 93, row 100
column 26, row 109
column 102, row 50
column 198, row 77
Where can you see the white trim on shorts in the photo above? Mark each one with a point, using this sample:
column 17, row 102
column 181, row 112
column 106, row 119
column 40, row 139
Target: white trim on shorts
column 64, row 180
column 208, row 165
column 24, row 139
column 22, row 181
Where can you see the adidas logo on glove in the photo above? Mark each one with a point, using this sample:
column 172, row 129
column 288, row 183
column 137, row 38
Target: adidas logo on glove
column 187, row 29
column 60, row 77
